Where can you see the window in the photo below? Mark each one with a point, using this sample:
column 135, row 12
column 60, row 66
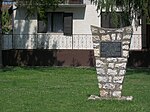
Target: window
column 118, row 20
column 56, row 22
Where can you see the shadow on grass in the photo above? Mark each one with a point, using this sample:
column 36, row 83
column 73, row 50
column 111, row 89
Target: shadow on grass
column 145, row 71
column 43, row 68
column 46, row 68
column 15, row 68
column 6, row 69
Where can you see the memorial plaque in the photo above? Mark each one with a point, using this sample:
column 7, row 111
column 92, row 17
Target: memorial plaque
column 111, row 49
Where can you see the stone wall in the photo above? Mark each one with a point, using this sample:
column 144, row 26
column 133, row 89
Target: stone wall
column 111, row 70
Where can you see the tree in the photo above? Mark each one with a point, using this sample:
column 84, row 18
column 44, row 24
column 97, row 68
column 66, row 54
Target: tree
column 135, row 8
column 32, row 6
column 132, row 10
column 38, row 6
column 6, row 22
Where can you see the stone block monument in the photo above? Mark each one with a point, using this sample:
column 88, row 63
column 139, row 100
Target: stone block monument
column 111, row 51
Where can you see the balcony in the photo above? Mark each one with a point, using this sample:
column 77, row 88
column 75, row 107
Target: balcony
column 72, row 3
column 57, row 41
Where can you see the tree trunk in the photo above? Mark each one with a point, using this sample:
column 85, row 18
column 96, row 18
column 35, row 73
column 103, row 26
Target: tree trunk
column 1, row 33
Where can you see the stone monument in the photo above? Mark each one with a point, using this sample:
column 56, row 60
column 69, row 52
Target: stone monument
column 111, row 51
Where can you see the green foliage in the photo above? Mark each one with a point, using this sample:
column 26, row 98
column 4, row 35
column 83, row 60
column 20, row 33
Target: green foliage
column 133, row 7
column 39, row 6
column 6, row 22
column 32, row 6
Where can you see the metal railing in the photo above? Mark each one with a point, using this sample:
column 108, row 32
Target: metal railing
column 57, row 41
column 136, row 42
column 47, row 41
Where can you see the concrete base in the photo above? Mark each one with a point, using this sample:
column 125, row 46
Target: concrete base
column 94, row 97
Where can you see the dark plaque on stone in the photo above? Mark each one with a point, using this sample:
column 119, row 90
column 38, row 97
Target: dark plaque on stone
column 111, row 49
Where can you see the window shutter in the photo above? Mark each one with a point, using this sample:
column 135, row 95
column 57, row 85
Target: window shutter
column 42, row 27
column 68, row 23
column 144, row 39
column 42, row 23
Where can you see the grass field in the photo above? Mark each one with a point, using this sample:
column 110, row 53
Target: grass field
column 52, row 89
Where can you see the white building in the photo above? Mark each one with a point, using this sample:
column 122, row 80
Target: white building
column 68, row 27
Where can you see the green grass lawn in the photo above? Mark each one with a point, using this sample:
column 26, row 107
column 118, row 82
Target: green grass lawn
column 53, row 89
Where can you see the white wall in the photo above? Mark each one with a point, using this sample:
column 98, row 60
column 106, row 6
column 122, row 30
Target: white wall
column 23, row 25
column 136, row 40
column 87, row 2
column 82, row 26
column 83, row 17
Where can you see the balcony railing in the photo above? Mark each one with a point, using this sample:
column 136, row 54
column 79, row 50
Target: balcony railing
column 57, row 41
column 47, row 41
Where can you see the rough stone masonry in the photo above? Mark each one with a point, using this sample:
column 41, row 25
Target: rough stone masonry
column 111, row 69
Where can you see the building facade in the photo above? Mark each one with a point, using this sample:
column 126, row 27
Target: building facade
column 65, row 36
